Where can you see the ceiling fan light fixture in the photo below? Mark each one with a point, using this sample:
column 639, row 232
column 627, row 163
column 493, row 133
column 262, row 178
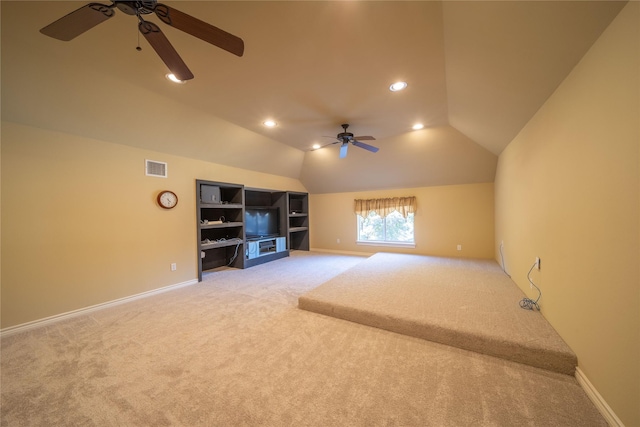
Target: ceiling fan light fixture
column 398, row 86
column 174, row 79
column 417, row 126
column 270, row 123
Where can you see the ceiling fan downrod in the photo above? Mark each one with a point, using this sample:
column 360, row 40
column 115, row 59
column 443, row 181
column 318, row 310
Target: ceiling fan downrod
column 345, row 136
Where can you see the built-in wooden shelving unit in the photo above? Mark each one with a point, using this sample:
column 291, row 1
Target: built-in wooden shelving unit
column 225, row 238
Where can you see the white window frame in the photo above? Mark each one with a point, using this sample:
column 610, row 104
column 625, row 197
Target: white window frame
column 390, row 243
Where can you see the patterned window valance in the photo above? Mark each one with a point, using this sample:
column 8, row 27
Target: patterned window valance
column 383, row 207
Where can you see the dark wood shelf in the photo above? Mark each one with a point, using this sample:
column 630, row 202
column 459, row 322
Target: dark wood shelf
column 297, row 229
column 220, row 206
column 215, row 245
column 223, row 225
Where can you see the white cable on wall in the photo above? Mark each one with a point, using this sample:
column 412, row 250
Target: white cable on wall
column 502, row 260
column 527, row 303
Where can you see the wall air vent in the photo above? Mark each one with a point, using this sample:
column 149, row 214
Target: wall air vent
column 153, row 168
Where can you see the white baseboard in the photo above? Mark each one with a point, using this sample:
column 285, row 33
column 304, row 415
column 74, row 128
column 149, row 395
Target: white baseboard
column 598, row 400
column 64, row 316
column 331, row 251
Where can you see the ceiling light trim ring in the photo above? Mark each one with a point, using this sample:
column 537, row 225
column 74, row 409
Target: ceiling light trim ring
column 398, row 86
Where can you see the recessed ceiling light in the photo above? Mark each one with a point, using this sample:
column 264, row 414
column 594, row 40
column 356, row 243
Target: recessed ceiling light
column 269, row 123
column 316, row 146
column 174, row 79
column 397, row 86
column 417, row 126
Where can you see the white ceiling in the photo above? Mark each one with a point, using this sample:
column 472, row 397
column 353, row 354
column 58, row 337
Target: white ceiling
column 477, row 72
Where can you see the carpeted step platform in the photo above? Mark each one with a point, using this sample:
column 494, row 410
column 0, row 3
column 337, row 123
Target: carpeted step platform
column 469, row 304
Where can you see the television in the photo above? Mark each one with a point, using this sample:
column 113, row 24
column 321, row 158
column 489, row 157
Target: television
column 261, row 222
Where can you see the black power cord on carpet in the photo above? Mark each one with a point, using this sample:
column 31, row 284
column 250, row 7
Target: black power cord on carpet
column 528, row 303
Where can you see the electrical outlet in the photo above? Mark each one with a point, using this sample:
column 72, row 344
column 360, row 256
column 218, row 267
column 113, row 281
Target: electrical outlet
column 459, row 247
column 337, row 240
column 174, row 266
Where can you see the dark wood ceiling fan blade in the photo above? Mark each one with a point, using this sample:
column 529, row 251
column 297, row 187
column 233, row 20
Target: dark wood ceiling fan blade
column 77, row 22
column 200, row 29
column 165, row 50
column 343, row 150
column 365, row 146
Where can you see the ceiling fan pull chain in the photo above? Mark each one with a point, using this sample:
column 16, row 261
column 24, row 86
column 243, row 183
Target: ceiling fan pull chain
column 138, row 48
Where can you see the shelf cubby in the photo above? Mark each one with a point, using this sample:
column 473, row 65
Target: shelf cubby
column 219, row 243
column 298, row 221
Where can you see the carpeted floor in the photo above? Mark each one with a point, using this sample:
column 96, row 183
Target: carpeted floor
column 234, row 350
column 465, row 303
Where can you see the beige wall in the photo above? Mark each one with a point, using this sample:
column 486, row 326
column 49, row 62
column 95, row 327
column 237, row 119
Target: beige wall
column 80, row 225
column 567, row 190
column 447, row 216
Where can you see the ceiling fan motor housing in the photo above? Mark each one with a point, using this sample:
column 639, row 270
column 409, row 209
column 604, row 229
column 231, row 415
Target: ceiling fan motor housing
column 136, row 7
column 345, row 136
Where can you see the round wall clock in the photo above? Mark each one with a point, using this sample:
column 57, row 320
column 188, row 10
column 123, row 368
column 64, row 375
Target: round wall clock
column 167, row 199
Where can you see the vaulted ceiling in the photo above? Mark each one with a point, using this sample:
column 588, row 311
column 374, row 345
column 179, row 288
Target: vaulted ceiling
column 476, row 71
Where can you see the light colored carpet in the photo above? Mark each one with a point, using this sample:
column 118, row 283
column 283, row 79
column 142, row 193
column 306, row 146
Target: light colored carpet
column 235, row 350
column 469, row 304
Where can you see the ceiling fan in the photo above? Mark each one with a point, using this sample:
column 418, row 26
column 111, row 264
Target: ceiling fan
column 345, row 138
column 88, row 16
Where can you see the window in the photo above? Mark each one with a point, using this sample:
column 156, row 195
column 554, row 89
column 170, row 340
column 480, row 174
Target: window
column 386, row 220
column 394, row 228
